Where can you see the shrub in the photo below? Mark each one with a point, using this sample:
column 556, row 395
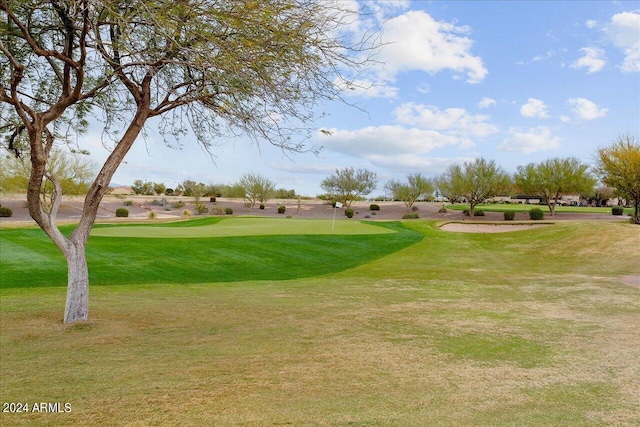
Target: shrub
column 617, row 210
column 508, row 216
column 414, row 208
column 477, row 212
column 218, row 211
column 177, row 205
column 152, row 215
column 262, row 206
column 349, row 213
column 6, row 212
column 410, row 216
column 443, row 209
column 536, row 214
column 201, row 209
column 212, row 199
column 228, row 211
column 186, row 213
column 122, row 213
column 374, row 207
column 281, row 209
column 128, row 203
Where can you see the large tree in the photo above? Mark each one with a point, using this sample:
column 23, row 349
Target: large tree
column 347, row 184
column 416, row 187
column 449, row 183
column 553, row 178
column 256, row 188
column 479, row 180
column 220, row 67
column 619, row 166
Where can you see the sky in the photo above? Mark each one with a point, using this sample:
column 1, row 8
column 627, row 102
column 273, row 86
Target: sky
column 510, row 81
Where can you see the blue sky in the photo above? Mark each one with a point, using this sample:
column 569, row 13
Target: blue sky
column 516, row 82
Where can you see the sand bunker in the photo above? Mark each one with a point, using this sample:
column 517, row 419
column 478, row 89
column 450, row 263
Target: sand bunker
column 488, row 228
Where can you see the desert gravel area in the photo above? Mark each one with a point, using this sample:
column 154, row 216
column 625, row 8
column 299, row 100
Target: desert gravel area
column 141, row 206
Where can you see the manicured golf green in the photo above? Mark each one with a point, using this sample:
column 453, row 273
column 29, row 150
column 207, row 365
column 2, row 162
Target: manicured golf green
column 226, row 227
column 426, row 327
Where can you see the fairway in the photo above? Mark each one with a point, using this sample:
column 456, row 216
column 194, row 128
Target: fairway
column 225, row 227
column 413, row 327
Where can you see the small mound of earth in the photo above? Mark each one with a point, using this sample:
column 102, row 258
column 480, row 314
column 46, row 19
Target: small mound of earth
column 488, row 228
column 632, row 281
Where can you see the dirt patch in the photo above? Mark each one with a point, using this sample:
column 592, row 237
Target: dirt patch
column 488, row 228
column 632, row 281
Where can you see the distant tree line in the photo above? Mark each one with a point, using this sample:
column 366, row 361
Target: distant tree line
column 616, row 174
column 251, row 187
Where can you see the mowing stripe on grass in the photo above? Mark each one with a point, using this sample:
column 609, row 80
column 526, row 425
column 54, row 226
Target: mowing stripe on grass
column 225, row 227
column 131, row 260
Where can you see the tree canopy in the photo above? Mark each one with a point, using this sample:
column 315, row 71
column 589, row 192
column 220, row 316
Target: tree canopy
column 416, row 187
column 552, row 178
column 217, row 67
column 348, row 184
column 256, row 188
column 478, row 181
column 619, row 166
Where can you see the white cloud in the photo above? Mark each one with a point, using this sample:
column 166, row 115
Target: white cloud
column 486, row 102
column 585, row 109
column 531, row 140
column 624, row 32
column 565, row 119
column 424, row 88
column 409, row 163
column 384, row 141
column 593, row 60
column 534, row 108
column 457, row 120
column 418, row 42
column 591, row 23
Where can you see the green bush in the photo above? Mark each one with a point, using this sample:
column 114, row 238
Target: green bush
column 411, row 216
column 6, row 212
column 177, row 205
column 228, row 211
column 374, row 207
column 476, row 212
column 128, row 203
column 282, row 209
column 536, row 214
column 122, row 213
column 617, row 210
column 349, row 213
column 212, row 199
column 201, row 209
column 508, row 216
column 262, row 206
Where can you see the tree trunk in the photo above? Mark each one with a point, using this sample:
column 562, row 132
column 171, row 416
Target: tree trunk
column 77, row 306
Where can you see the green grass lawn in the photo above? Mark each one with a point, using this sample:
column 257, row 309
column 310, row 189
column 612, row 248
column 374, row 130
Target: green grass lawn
column 201, row 251
column 526, row 328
